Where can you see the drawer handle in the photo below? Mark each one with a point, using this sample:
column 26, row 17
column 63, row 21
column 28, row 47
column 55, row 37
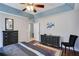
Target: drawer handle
column 5, row 39
column 5, row 33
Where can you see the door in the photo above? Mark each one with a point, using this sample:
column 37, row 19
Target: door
column 37, row 31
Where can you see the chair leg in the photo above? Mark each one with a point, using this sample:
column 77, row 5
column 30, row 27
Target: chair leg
column 61, row 46
column 69, row 48
column 61, row 49
column 73, row 50
column 65, row 50
column 68, row 53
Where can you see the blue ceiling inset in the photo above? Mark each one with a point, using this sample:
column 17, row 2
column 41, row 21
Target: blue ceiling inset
column 8, row 9
column 63, row 8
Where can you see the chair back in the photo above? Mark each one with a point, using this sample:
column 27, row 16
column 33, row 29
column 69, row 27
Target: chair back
column 72, row 39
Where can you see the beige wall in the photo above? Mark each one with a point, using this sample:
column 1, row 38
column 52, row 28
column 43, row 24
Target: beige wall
column 66, row 23
column 20, row 23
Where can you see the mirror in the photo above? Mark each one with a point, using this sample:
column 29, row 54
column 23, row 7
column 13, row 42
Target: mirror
column 9, row 24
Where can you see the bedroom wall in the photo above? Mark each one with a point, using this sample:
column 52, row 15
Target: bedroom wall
column 20, row 23
column 66, row 23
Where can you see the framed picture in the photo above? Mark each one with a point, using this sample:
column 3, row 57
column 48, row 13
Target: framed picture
column 50, row 24
column 9, row 24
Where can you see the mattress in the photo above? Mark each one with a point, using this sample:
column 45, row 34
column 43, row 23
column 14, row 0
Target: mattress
column 27, row 49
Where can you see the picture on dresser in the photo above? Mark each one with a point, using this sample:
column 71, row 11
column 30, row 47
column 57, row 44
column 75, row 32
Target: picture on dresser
column 9, row 24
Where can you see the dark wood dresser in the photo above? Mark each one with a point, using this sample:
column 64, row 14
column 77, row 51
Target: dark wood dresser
column 50, row 40
column 10, row 37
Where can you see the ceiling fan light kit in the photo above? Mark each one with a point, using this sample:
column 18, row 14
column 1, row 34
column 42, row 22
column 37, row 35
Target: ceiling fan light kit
column 32, row 7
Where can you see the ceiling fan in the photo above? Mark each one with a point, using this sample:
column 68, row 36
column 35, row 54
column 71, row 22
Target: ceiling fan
column 32, row 6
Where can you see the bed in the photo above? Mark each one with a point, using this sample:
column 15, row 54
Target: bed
column 28, row 49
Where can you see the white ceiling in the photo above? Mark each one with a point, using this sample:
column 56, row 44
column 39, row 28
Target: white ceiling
column 47, row 6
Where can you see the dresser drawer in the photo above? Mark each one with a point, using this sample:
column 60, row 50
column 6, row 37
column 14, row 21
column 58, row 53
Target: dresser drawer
column 10, row 37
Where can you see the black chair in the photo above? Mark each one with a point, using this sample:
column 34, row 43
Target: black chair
column 71, row 42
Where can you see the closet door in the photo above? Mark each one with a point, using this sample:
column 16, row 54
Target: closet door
column 37, row 31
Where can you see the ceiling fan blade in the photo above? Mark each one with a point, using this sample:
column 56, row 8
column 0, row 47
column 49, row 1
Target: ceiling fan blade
column 34, row 10
column 24, row 9
column 40, row 6
column 22, row 3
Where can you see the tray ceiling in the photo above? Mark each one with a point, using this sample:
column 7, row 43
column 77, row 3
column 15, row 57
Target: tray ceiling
column 48, row 6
